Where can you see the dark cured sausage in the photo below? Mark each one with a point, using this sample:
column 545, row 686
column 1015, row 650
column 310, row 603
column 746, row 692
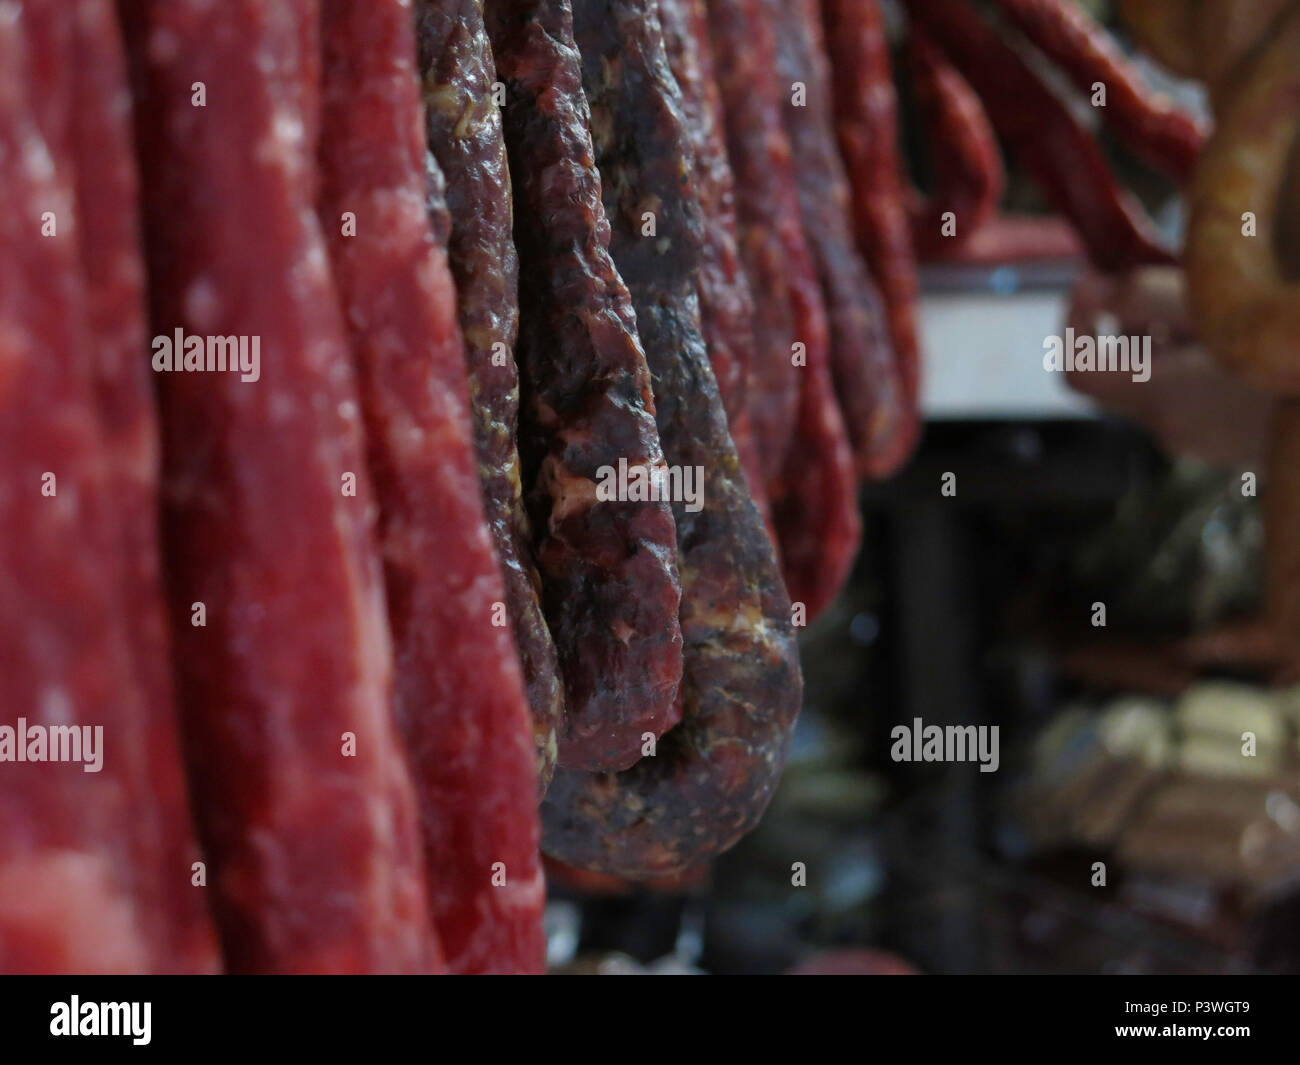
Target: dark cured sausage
column 609, row 568
column 727, row 307
column 726, row 304
column 463, row 126
column 861, row 353
column 459, row 691
column 72, row 892
column 712, row 776
column 304, row 800
column 812, row 484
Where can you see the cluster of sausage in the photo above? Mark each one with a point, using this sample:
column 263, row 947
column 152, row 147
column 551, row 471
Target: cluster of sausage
column 979, row 78
column 489, row 250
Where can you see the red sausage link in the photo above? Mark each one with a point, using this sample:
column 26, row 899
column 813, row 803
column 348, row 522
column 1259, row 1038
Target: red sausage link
column 866, row 124
column 968, row 178
column 70, row 840
column 741, row 66
column 1149, row 123
column 1040, row 131
column 301, row 783
column 861, row 355
column 112, row 263
column 812, row 482
column 459, row 689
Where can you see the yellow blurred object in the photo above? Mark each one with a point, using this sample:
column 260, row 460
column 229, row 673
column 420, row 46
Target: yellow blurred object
column 1135, row 727
column 1231, row 730
column 1165, row 30
column 1223, row 707
column 1222, row 756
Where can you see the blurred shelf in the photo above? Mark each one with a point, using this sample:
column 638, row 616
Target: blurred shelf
column 982, row 331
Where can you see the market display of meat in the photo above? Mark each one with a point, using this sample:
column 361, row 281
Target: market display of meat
column 515, row 366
